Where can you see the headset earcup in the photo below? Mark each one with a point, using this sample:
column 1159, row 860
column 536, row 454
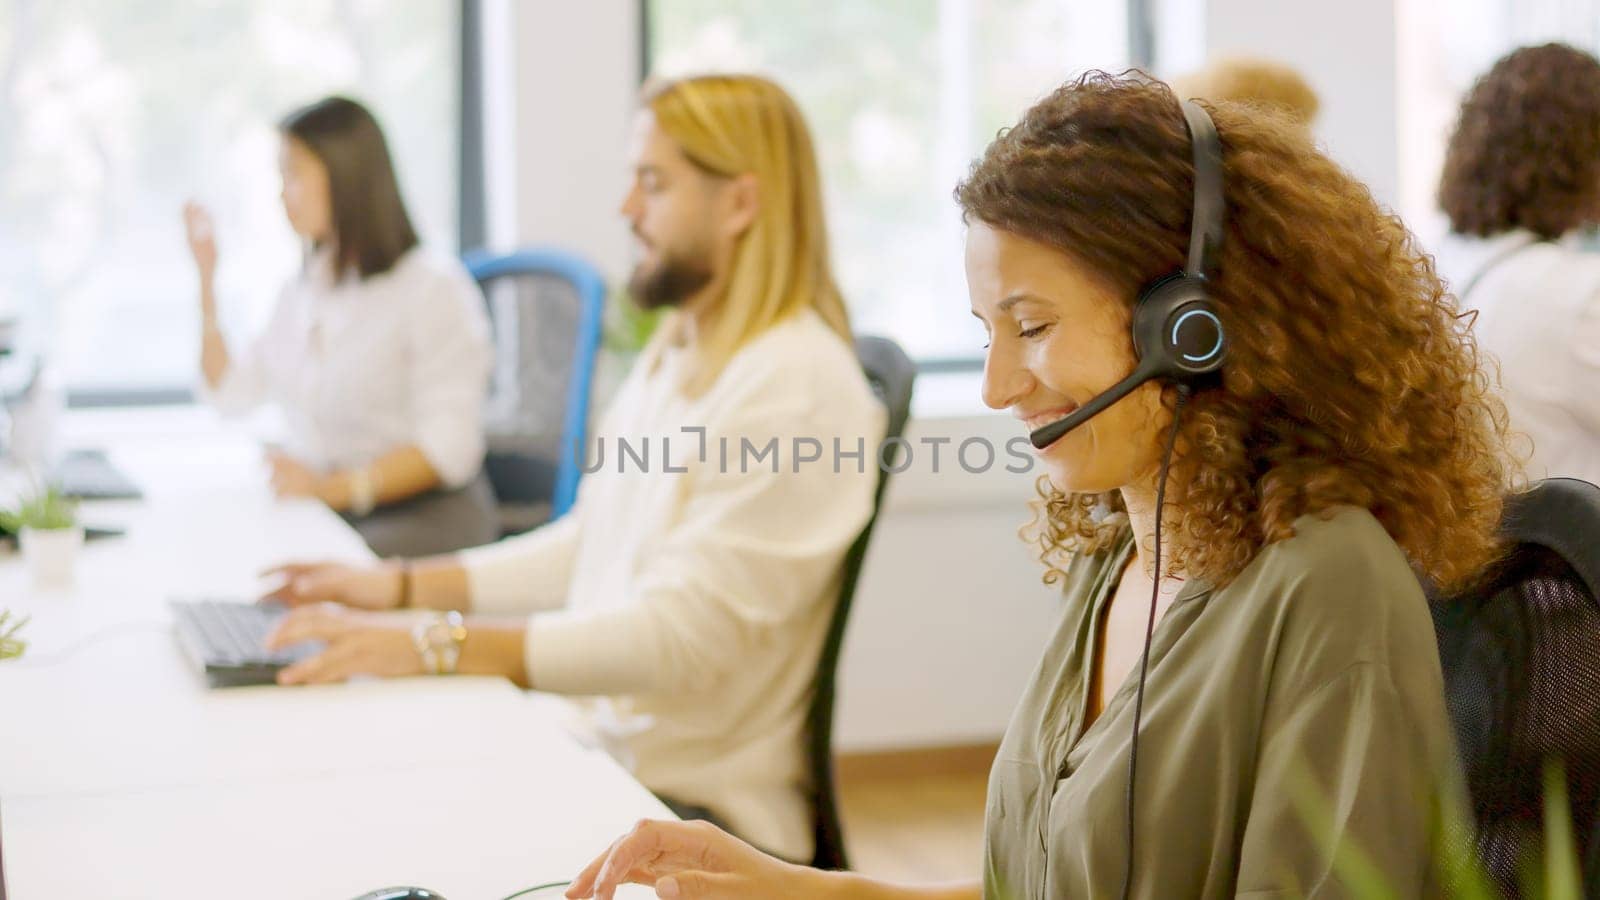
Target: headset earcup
column 1176, row 331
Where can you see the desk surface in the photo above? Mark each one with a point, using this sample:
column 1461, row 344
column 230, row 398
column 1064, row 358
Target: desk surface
column 116, row 752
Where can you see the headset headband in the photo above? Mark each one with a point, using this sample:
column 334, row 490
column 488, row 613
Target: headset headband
column 1205, row 234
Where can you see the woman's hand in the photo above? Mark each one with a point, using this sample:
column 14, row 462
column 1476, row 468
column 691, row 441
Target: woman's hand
column 693, row 861
column 371, row 587
column 359, row 643
column 202, row 240
column 291, row 477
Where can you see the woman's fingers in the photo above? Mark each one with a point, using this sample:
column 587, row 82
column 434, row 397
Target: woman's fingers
column 291, row 569
column 322, row 622
column 638, row 850
column 358, row 643
column 698, row 855
column 292, row 588
column 687, row 861
column 337, row 663
column 283, row 570
column 317, row 586
column 582, row 887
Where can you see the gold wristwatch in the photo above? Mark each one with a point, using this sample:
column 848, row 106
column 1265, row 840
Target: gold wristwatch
column 438, row 639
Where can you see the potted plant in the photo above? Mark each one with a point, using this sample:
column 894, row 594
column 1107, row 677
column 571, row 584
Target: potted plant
column 46, row 525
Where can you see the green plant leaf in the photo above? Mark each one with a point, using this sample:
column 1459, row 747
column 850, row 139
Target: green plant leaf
column 1455, row 852
column 627, row 326
column 44, row 508
column 1561, row 876
column 11, row 646
column 1460, row 867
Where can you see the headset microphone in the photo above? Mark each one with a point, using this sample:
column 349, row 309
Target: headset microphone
column 1049, row 434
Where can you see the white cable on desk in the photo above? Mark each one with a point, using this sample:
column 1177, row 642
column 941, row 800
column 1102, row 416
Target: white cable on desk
column 50, row 659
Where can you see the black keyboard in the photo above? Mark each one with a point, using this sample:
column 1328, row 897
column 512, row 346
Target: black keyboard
column 228, row 640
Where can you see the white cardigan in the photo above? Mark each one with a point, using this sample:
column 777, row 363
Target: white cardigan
column 1538, row 307
column 690, row 606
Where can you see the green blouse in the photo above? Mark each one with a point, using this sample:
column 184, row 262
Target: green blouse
column 1300, row 704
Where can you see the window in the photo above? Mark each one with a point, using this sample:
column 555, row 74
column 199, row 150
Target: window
column 113, row 113
column 1444, row 48
column 901, row 97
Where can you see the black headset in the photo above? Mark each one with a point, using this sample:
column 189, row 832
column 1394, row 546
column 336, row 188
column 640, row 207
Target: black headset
column 1177, row 335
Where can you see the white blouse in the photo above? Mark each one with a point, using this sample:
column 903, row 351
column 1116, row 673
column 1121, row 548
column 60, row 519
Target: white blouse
column 1538, row 315
column 367, row 366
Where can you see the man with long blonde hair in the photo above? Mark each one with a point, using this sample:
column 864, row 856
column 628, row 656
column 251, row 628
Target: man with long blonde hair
column 687, row 594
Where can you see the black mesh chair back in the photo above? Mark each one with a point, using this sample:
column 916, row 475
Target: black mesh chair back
column 1521, row 658
column 891, row 374
column 544, row 310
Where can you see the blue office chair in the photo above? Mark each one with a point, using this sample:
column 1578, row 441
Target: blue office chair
column 545, row 310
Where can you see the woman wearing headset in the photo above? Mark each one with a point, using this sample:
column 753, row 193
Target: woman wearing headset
column 1292, row 701
column 377, row 351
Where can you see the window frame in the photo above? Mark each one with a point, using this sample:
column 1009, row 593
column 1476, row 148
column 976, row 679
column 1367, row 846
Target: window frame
column 1142, row 38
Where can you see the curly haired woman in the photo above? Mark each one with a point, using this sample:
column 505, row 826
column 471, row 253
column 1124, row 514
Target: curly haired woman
column 1294, row 701
column 1521, row 180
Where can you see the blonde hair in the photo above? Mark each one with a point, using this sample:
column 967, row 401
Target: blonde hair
column 733, row 125
column 1257, row 82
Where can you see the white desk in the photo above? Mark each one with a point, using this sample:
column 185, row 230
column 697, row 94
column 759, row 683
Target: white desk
column 122, row 776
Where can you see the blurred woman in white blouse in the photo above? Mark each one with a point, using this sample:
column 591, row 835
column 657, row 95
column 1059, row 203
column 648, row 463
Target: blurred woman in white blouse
column 1521, row 185
column 377, row 351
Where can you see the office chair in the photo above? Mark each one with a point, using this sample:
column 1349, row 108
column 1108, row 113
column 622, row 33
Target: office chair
column 545, row 309
column 891, row 374
column 1521, row 658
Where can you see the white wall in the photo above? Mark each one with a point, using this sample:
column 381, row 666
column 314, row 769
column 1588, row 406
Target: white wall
column 950, row 614
column 576, row 70
column 1347, row 50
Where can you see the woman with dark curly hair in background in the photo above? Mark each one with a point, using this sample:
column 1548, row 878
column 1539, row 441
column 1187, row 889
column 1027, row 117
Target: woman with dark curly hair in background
column 1293, row 701
column 1521, row 182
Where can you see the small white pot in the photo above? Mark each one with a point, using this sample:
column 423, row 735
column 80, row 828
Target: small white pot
column 50, row 553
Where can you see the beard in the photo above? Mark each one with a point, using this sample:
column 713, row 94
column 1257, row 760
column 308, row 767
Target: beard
column 671, row 281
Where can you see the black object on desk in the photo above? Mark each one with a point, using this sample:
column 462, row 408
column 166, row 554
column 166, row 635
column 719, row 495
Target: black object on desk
column 89, row 475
